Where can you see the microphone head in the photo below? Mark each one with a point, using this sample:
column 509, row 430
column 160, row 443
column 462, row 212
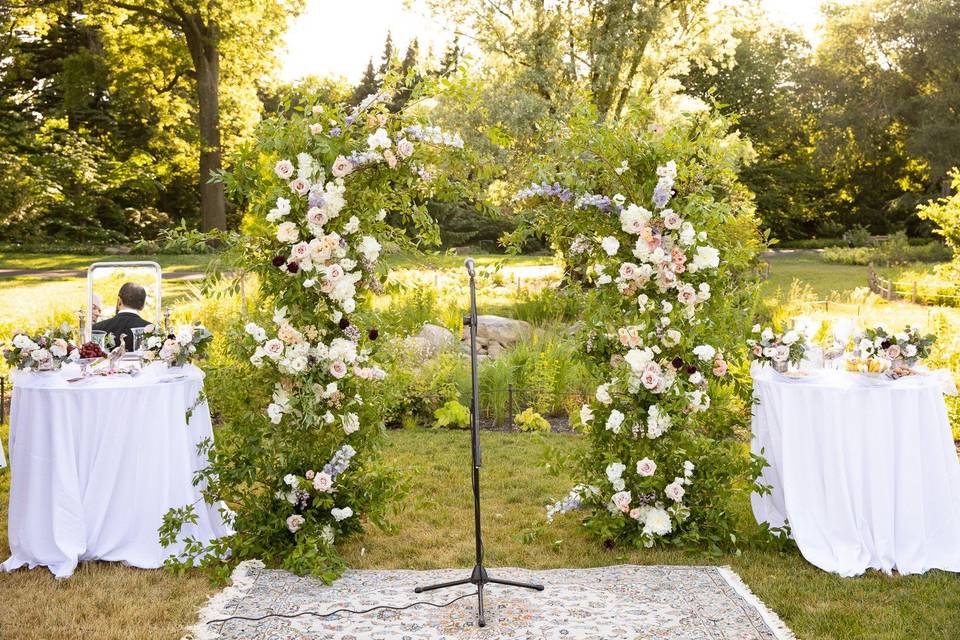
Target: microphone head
column 469, row 264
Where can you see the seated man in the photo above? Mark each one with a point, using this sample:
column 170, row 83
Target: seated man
column 130, row 303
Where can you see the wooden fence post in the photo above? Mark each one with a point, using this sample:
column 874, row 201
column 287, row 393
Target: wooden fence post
column 510, row 406
column 916, row 298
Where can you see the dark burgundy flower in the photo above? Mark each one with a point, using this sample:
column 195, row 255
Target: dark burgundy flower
column 293, row 267
column 691, row 369
column 344, row 323
column 279, row 261
column 885, row 344
column 677, row 362
column 372, row 333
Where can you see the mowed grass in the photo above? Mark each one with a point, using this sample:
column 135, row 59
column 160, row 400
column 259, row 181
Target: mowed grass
column 433, row 528
column 807, row 266
column 73, row 261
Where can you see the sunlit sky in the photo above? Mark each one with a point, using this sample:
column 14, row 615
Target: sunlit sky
column 337, row 38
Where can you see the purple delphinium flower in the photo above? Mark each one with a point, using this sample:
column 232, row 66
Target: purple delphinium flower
column 334, row 131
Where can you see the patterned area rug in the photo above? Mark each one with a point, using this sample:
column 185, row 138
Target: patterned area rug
column 623, row 602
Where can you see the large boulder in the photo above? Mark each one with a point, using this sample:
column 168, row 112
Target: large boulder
column 495, row 334
column 506, row 331
column 438, row 337
column 431, row 340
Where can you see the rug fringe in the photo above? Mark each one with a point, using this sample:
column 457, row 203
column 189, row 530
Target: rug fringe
column 243, row 577
column 780, row 630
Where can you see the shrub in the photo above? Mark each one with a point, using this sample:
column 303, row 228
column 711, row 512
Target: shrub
column 453, row 415
column 897, row 249
column 530, row 420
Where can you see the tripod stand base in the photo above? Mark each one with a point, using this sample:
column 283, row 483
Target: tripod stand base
column 480, row 578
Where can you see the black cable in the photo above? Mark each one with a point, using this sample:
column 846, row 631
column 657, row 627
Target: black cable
column 327, row 615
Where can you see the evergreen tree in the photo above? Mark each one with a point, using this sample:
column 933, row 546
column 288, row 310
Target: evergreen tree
column 409, row 77
column 451, row 58
column 368, row 84
column 387, row 62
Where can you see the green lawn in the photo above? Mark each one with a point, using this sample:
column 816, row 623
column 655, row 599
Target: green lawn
column 433, row 530
column 71, row 261
column 808, row 267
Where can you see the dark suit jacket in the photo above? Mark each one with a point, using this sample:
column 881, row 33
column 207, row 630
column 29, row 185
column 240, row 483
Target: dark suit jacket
column 120, row 324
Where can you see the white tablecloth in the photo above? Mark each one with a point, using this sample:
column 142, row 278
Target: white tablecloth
column 864, row 470
column 96, row 464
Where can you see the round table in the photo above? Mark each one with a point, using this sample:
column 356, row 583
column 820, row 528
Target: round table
column 864, row 469
column 96, row 462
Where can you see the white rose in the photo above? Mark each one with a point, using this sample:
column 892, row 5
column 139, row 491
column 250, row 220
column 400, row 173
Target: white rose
column 603, row 394
column 610, row 245
column 615, row 470
column 341, row 167
column 59, row 348
column 351, row 423
column 338, row 369
column 705, row 258
column 275, row 413
column 705, row 352
column 283, row 169
column 369, row 248
column 674, row 491
column 910, row 351
column 790, row 337
column 379, row 139
column 767, row 334
column 273, row 348
column 646, row 467
column 288, row 232
column 621, row 500
column 586, row 414
column 294, row 523
column 353, row 224
column 341, row 514
column 614, row 421
column 404, row 148
column 322, row 482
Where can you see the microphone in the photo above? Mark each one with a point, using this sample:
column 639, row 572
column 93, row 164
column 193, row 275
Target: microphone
column 469, row 264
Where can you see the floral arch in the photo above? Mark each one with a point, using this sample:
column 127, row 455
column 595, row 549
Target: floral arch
column 331, row 187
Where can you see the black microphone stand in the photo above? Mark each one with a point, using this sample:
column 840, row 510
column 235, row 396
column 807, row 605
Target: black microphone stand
column 479, row 576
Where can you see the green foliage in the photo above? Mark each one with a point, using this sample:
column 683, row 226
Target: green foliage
column 453, row 415
column 179, row 240
column 945, row 213
column 625, row 315
column 895, row 250
column 530, row 420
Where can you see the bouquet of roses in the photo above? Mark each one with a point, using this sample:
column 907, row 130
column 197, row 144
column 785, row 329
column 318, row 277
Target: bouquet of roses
column 776, row 349
column 908, row 345
column 47, row 351
column 177, row 347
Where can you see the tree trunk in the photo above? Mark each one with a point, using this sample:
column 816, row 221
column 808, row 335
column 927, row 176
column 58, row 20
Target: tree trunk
column 212, row 204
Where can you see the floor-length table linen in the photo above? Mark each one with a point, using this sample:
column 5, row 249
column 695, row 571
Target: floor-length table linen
column 864, row 470
column 95, row 464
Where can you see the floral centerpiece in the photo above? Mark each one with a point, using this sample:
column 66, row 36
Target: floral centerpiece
column 776, row 349
column 650, row 246
column 178, row 347
column 904, row 347
column 47, row 351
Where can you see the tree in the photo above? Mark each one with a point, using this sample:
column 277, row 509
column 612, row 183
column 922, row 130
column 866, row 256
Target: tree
column 608, row 48
column 208, row 29
column 760, row 90
column 368, row 84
